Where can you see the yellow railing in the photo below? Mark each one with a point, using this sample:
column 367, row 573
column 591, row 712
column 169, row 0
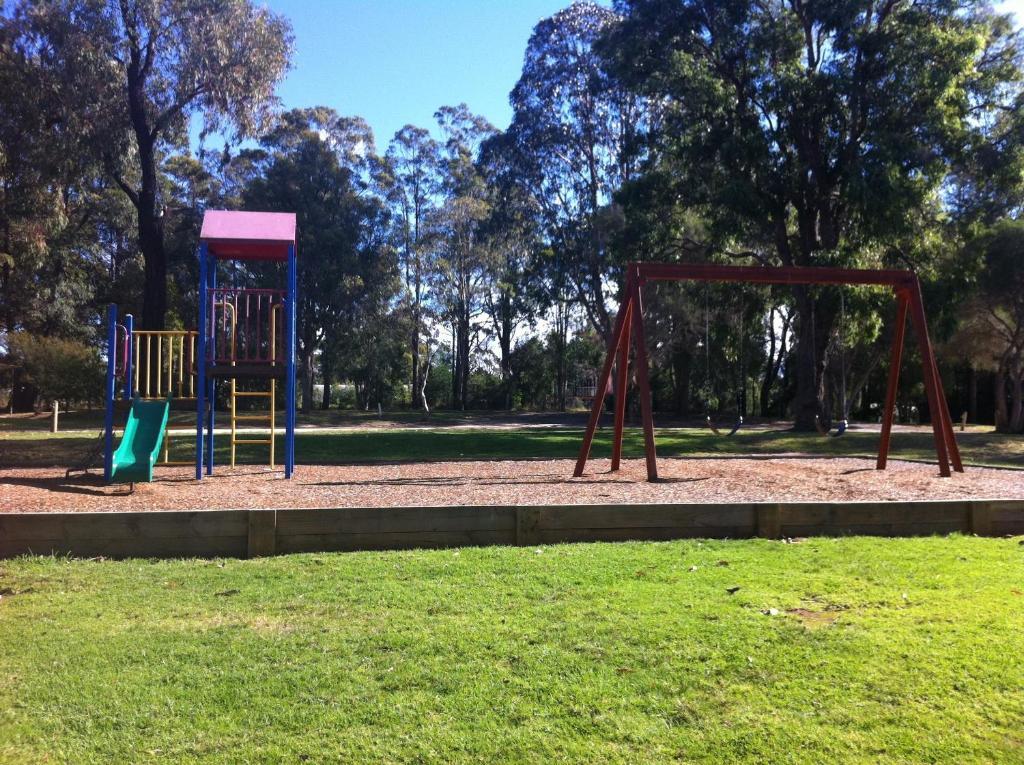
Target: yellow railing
column 169, row 363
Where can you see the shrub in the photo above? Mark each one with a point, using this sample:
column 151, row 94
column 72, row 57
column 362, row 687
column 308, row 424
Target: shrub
column 59, row 370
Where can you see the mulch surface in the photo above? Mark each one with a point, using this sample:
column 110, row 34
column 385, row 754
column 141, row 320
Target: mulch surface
column 774, row 479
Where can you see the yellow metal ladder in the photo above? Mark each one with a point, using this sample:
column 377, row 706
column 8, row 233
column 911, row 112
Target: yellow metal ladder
column 260, row 417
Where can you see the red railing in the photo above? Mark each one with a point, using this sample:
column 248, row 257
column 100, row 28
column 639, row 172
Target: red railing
column 245, row 326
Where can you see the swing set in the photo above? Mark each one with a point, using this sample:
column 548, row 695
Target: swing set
column 630, row 323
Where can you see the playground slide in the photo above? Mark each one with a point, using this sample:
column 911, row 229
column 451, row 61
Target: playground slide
column 140, row 445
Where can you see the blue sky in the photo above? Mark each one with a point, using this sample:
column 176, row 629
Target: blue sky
column 395, row 62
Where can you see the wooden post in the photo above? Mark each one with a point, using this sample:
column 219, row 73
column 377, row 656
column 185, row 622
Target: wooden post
column 643, row 379
column 56, row 414
column 981, row 518
column 262, row 533
column 894, row 378
column 602, row 383
column 935, row 404
column 621, row 389
column 527, row 523
column 769, row 521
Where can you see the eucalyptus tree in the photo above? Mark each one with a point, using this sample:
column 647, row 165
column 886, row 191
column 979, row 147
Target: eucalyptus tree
column 511, row 237
column 460, row 255
column 409, row 181
column 576, row 130
column 145, row 68
column 344, row 265
column 825, row 133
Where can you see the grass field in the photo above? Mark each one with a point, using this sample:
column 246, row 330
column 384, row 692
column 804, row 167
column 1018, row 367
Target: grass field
column 979, row 447
column 830, row 650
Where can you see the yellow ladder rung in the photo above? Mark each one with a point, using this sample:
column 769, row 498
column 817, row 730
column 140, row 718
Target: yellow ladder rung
column 264, row 417
column 253, row 393
column 253, row 441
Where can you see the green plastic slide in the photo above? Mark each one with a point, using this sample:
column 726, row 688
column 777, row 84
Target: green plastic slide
column 140, row 445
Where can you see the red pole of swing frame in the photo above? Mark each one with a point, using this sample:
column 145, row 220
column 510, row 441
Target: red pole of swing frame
column 947, row 421
column 643, row 382
column 899, row 332
column 935, row 402
column 621, row 387
column 602, row 382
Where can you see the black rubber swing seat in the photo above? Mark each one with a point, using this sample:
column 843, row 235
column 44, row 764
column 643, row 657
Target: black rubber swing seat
column 717, row 432
column 822, row 430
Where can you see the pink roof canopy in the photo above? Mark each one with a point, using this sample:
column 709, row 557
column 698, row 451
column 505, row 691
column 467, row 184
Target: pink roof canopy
column 234, row 235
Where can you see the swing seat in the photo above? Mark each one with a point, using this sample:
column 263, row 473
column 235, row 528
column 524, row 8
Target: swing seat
column 717, row 432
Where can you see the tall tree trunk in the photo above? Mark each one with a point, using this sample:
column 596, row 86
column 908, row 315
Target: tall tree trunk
column 150, row 216
column 151, row 242
column 562, row 345
column 1002, row 414
column 456, row 403
column 813, row 330
column 23, row 395
column 776, row 352
column 505, row 346
column 972, row 393
column 325, row 373
column 307, row 379
column 464, row 351
column 425, row 377
column 414, row 349
column 1016, row 423
column 682, row 361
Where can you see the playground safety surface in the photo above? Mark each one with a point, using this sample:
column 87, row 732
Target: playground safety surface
column 542, row 482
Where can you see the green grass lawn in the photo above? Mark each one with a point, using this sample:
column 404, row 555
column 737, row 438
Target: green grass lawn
column 831, row 650
column 32, row 447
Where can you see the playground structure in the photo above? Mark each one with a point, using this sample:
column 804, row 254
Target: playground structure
column 244, row 334
column 629, row 321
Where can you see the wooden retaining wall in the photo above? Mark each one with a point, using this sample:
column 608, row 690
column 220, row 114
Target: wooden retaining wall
column 242, row 533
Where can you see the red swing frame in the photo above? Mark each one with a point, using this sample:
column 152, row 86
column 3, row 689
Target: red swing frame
column 905, row 285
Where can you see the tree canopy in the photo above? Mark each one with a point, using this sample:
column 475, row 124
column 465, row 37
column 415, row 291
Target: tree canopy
column 466, row 265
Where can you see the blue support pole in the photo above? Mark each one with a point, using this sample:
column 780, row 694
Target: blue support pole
column 289, row 460
column 108, row 417
column 201, row 363
column 212, row 383
column 211, row 396
column 129, row 328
